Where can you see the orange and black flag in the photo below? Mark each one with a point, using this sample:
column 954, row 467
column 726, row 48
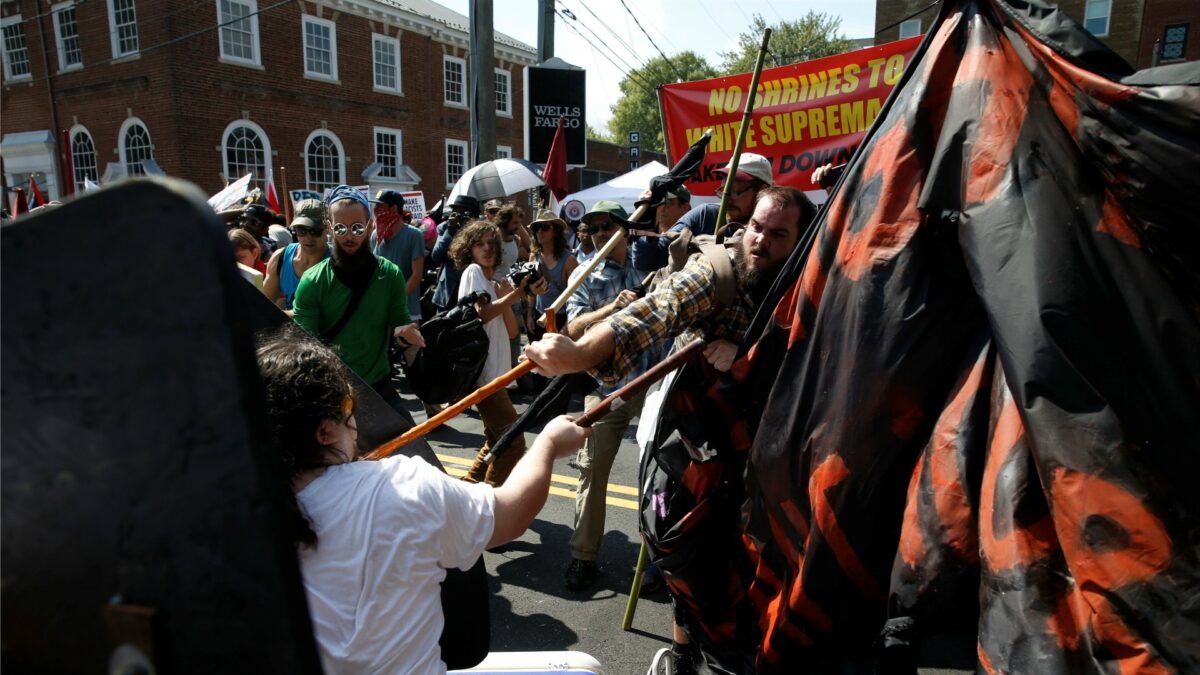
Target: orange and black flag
column 980, row 378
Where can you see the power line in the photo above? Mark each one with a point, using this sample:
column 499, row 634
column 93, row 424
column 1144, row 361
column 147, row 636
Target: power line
column 649, row 89
column 919, row 11
column 781, row 19
column 718, row 24
column 612, row 32
column 660, row 52
column 596, row 40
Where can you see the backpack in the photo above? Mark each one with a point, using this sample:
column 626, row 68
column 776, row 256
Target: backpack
column 684, row 245
column 456, row 347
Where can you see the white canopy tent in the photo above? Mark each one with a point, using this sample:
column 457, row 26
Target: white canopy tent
column 623, row 189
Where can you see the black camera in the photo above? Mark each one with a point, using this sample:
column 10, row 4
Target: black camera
column 520, row 270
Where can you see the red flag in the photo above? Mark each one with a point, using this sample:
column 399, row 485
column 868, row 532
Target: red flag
column 272, row 197
column 19, row 204
column 35, row 195
column 555, row 172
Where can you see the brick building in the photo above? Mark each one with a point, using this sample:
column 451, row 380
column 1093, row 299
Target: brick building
column 1128, row 27
column 355, row 91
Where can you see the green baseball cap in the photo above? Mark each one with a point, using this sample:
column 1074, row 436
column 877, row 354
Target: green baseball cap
column 609, row 208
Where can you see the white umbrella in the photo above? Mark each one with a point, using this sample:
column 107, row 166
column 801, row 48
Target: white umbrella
column 496, row 179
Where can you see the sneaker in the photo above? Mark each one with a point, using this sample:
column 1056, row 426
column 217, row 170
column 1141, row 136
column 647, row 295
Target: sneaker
column 652, row 580
column 580, row 575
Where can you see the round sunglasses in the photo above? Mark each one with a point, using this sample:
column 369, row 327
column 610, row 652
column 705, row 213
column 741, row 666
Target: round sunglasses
column 341, row 230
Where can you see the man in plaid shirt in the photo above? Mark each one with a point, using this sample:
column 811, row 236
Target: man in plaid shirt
column 686, row 307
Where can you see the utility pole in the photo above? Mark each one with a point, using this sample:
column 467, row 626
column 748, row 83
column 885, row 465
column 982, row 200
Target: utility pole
column 483, row 82
column 545, row 45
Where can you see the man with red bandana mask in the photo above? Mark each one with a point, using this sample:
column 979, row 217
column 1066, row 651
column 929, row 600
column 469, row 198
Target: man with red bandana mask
column 401, row 243
column 355, row 301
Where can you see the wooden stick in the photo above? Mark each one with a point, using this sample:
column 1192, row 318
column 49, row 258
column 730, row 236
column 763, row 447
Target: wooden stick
column 588, row 268
column 286, row 196
column 591, row 265
column 658, row 371
column 453, row 411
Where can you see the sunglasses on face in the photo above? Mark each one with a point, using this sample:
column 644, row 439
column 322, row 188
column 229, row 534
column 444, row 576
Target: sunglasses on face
column 540, row 227
column 341, row 230
column 594, row 227
column 302, row 231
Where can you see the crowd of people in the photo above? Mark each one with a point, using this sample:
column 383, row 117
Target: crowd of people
column 359, row 277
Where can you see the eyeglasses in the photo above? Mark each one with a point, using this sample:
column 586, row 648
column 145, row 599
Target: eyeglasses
column 720, row 192
column 358, row 229
column 538, row 227
column 302, row 231
column 606, row 226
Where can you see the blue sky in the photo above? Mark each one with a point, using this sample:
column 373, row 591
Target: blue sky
column 706, row 27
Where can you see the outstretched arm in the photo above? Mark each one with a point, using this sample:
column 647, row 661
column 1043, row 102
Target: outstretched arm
column 557, row 354
column 523, row 494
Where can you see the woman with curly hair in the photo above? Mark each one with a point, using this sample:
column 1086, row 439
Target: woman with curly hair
column 375, row 538
column 550, row 251
column 476, row 251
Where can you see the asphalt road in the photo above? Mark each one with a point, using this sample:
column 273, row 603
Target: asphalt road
column 530, row 608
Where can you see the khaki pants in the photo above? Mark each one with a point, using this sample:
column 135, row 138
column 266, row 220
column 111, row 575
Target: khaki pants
column 498, row 414
column 595, row 462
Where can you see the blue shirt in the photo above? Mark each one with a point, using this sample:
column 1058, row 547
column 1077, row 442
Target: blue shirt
column 447, row 285
column 600, row 288
column 405, row 247
column 651, row 253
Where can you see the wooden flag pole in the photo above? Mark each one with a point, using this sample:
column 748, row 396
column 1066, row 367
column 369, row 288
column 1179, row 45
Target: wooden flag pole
column 286, row 196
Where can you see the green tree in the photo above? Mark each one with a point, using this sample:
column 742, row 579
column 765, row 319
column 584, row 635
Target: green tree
column 637, row 109
column 595, row 135
column 809, row 37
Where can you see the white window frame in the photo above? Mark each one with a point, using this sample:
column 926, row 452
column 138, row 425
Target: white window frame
column 255, row 40
column 333, row 55
column 466, row 148
column 504, row 152
column 398, row 137
column 1107, row 16
column 75, row 131
column 266, row 142
column 912, row 27
column 63, row 66
column 507, row 112
column 337, row 142
column 8, row 74
column 114, row 33
column 130, row 121
column 394, row 43
column 447, row 59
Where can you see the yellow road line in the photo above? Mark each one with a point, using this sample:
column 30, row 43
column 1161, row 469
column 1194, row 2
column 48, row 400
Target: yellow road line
column 455, row 462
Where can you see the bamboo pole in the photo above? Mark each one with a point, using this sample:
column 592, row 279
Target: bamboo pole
column 741, row 137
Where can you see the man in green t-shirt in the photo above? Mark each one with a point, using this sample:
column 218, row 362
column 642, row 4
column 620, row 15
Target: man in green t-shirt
column 358, row 331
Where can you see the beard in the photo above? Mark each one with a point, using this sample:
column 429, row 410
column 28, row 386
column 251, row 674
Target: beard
column 757, row 281
column 353, row 269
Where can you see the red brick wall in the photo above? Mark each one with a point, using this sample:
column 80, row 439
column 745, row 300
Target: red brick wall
column 1125, row 21
column 187, row 97
column 1157, row 15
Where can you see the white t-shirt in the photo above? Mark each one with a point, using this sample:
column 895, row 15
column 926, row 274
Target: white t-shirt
column 499, row 358
column 387, row 531
column 509, row 250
